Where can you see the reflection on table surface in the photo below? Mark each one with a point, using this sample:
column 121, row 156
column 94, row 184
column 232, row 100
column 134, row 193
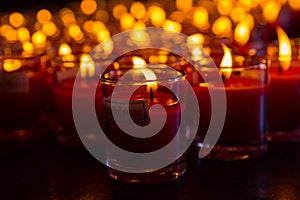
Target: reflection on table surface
column 44, row 170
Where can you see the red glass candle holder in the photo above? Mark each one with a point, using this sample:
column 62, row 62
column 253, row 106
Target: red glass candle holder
column 140, row 102
column 22, row 98
column 244, row 133
column 283, row 105
column 65, row 130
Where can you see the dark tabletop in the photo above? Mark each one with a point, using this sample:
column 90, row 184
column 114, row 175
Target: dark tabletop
column 45, row 170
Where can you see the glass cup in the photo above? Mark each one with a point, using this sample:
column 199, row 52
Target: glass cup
column 22, row 98
column 68, row 67
column 244, row 132
column 283, row 105
column 148, row 87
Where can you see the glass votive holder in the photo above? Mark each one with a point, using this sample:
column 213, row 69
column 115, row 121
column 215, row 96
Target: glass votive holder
column 65, row 75
column 245, row 84
column 22, row 99
column 283, row 105
column 144, row 94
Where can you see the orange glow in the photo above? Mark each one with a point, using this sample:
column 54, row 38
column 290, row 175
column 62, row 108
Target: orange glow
column 88, row 26
column 184, row 5
column 242, row 33
column 138, row 10
column 172, row 26
column 103, row 34
column 23, row 34
column 88, row 7
column 285, row 50
column 39, row 39
column 16, row 19
column 249, row 19
column 49, row 28
column 119, row 10
column 195, row 39
column 222, row 26
column 139, row 36
column 138, row 62
column 139, row 24
column 28, row 47
column 177, row 16
column 44, row 16
column 74, row 31
column 237, row 14
column 11, row 65
column 224, row 6
column 200, row 18
column 67, row 16
column 12, row 35
column 108, row 46
column 196, row 53
column 4, row 29
column 294, row 4
column 87, row 66
column 102, row 15
column 157, row 15
column 271, row 11
column 127, row 21
column 97, row 26
column 64, row 49
column 158, row 58
column 226, row 62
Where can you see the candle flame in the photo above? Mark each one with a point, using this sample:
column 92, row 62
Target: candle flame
column 140, row 63
column 87, row 66
column 226, row 62
column 285, row 50
column 64, row 49
column 11, row 65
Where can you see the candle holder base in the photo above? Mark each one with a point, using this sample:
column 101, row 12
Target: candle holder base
column 284, row 135
column 237, row 152
column 166, row 174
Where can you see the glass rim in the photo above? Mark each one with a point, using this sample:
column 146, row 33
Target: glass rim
column 249, row 63
column 175, row 75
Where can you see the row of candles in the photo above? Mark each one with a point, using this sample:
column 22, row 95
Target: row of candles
column 19, row 73
column 262, row 94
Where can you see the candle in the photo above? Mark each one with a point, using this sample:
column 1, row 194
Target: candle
column 147, row 93
column 22, row 95
column 283, row 99
column 243, row 134
column 66, row 133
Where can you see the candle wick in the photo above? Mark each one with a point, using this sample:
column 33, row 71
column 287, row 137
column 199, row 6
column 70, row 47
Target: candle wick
column 280, row 70
column 151, row 94
column 223, row 78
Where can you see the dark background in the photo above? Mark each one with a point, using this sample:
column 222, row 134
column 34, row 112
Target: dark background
column 24, row 5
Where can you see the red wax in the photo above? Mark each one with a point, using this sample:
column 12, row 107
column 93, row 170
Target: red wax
column 162, row 138
column 284, row 99
column 62, row 94
column 244, row 121
column 21, row 99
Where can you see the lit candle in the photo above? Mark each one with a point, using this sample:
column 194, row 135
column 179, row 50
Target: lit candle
column 284, row 98
column 243, row 135
column 22, row 95
column 143, row 112
column 63, row 91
